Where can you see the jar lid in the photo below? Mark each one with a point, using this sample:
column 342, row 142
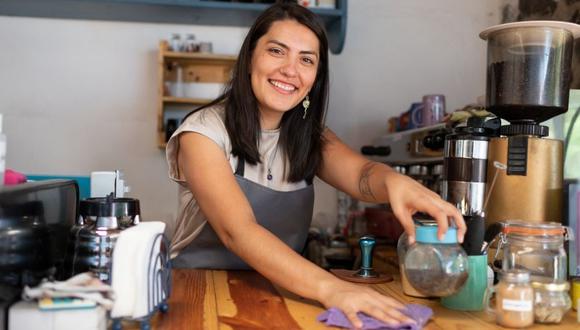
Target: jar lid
column 533, row 229
column 573, row 28
column 563, row 286
column 515, row 275
column 428, row 234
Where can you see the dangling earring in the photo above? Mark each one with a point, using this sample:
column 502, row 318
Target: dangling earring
column 305, row 104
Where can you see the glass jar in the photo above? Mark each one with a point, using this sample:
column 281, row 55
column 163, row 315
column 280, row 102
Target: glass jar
column 436, row 268
column 551, row 301
column 538, row 248
column 514, row 304
column 402, row 247
column 575, row 280
column 175, row 42
column 190, row 45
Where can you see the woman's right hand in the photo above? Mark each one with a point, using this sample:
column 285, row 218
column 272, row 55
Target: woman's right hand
column 353, row 298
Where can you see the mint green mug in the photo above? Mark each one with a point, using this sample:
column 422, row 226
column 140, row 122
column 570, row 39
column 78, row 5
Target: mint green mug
column 471, row 296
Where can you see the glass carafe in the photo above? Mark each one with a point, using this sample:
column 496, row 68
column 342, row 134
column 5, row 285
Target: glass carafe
column 434, row 267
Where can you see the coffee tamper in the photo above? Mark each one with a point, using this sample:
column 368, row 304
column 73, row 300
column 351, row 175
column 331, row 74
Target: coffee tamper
column 365, row 274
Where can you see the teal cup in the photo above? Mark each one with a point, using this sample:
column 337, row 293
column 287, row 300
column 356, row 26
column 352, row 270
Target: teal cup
column 470, row 297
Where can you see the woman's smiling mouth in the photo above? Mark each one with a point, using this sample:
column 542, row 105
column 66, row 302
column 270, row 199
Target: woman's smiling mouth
column 286, row 88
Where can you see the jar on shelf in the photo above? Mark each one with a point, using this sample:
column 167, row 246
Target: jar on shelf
column 436, row 268
column 536, row 247
column 190, row 45
column 175, row 42
column 514, row 299
column 551, row 301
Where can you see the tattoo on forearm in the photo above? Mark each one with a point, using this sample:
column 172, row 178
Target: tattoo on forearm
column 364, row 185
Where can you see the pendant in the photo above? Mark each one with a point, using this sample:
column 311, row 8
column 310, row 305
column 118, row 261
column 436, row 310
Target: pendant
column 269, row 177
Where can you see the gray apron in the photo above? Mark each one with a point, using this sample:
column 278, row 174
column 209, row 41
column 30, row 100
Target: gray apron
column 286, row 214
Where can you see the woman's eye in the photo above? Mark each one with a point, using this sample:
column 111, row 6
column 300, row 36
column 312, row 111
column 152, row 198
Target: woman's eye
column 277, row 51
column 308, row 60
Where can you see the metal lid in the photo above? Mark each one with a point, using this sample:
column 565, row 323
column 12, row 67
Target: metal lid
column 515, row 275
column 571, row 27
column 520, row 227
column 563, row 286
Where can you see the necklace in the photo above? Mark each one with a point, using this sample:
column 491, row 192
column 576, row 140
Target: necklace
column 271, row 160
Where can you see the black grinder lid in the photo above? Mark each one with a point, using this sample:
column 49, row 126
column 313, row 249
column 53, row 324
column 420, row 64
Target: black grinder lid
column 109, row 207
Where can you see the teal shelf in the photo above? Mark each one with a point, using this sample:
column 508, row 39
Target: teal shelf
column 197, row 12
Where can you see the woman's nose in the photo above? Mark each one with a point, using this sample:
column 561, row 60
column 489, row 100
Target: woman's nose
column 289, row 68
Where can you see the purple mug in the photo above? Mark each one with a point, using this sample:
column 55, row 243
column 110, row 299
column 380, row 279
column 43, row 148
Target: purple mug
column 433, row 109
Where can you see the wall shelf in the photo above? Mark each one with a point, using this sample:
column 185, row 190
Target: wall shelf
column 196, row 69
column 198, row 12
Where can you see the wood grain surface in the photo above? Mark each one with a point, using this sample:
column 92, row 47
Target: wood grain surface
column 237, row 300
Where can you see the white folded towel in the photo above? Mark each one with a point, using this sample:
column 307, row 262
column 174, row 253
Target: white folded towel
column 84, row 285
column 131, row 268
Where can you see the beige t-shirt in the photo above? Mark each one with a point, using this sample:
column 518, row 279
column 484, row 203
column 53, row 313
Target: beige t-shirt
column 210, row 123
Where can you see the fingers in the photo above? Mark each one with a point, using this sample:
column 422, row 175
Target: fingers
column 406, row 221
column 418, row 198
column 459, row 222
column 354, row 320
column 390, row 317
column 356, row 298
column 435, row 208
column 391, row 314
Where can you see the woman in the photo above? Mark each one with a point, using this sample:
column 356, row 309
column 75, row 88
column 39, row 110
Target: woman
column 246, row 161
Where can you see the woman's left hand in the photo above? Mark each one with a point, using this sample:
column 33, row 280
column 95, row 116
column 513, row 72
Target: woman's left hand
column 407, row 196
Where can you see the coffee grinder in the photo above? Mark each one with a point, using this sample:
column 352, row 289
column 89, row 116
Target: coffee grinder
column 495, row 173
column 528, row 82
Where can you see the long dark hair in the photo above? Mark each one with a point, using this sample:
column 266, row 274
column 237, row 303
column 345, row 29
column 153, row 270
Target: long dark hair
column 300, row 139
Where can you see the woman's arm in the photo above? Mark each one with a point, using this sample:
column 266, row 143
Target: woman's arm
column 209, row 176
column 371, row 181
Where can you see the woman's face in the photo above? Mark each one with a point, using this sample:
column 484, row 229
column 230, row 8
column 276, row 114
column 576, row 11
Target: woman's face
column 284, row 66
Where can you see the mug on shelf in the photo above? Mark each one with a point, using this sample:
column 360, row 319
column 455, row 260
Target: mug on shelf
column 433, row 109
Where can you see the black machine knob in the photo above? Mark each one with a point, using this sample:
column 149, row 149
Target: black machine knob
column 435, row 141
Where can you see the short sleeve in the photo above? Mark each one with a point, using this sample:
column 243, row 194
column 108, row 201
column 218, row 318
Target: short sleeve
column 208, row 122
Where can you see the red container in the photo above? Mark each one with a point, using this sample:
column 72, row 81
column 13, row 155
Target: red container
column 381, row 222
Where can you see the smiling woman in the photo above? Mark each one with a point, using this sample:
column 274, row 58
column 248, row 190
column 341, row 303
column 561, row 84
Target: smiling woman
column 283, row 72
column 246, row 161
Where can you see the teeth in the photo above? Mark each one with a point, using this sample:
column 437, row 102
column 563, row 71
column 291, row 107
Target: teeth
column 282, row 85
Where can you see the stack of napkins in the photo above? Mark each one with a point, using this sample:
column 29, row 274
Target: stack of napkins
column 134, row 264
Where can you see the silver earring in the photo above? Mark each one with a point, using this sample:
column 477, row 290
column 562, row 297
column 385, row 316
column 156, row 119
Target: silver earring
column 305, row 104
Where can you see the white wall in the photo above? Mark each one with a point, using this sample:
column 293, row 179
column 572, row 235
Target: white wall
column 80, row 96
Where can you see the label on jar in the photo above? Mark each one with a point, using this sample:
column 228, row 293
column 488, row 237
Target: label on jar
column 516, row 305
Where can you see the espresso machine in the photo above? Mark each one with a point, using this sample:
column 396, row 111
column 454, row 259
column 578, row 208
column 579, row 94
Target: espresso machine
column 528, row 82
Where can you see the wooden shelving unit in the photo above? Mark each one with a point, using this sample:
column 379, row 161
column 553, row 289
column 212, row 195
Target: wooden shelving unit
column 196, row 68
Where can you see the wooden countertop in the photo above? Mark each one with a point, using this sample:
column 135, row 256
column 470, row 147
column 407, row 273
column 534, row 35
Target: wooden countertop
column 207, row 299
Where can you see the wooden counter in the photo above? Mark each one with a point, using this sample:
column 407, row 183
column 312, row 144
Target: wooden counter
column 203, row 299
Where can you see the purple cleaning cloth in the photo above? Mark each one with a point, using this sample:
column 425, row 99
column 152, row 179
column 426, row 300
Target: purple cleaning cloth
column 421, row 314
